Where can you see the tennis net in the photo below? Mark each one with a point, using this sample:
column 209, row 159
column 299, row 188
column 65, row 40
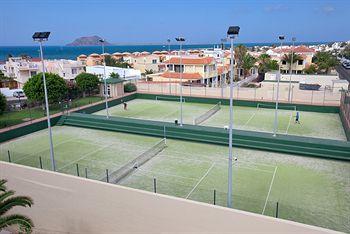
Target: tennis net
column 161, row 98
column 128, row 168
column 273, row 106
column 200, row 119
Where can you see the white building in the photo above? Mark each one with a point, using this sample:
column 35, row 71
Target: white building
column 124, row 73
column 21, row 69
column 67, row 69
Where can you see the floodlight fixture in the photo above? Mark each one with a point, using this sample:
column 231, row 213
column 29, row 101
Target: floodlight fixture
column 101, row 40
column 180, row 39
column 281, row 37
column 233, row 31
column 294, row 38
column 41, row 36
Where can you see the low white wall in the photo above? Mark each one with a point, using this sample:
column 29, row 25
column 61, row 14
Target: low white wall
column 127, row 73
column 71, row 204
column 323, row 80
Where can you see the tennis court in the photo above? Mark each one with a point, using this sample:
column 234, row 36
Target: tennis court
column 309, row 190
column 260, row 118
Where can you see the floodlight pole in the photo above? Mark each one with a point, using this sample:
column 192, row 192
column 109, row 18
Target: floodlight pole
column 277, row 92
column 180, row 40
column 104, row 77
column 52, row 156
column 169, row 54
column 290, row 70
column 223, row 70
column 229, row 192
column 181, row 118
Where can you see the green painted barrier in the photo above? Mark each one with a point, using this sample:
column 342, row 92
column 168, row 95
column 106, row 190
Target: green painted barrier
column 315, row 147
column 28, row 129
column 300, row 107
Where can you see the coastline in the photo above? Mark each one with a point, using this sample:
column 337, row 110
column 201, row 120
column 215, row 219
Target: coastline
column 71, row 52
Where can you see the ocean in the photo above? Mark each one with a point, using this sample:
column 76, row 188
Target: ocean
column 71, row 52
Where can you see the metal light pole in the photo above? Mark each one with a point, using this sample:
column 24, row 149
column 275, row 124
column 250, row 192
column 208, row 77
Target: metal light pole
column 290, row 70
column 104, row 76
column 222, row 81
column 169, row 54
column 281, row 38
column 180, row 40
column 40, row 37
column 231, row 33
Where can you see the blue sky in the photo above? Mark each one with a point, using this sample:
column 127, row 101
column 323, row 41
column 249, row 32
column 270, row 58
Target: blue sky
column 153, row 21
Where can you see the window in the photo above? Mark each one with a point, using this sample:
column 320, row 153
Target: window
column 64, row 74
column 284, row 62
column 300, row 62
column 32, row 73
column 205, row 68
column 154, row 61
column 74, row 71
column 177, row 68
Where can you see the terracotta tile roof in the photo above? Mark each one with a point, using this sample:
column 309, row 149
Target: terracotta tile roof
column 204, row 60
column 35, row 59
column 187, row 76
column 297, row 49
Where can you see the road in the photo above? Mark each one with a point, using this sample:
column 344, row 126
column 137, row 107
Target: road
column 343, row 73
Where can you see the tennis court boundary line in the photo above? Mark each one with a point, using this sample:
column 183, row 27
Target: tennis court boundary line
column 268, row 194
column 84, row 156
column 201, row 179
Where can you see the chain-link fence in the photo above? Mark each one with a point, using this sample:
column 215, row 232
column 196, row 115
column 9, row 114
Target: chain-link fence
column 20, row 111
column 322, row 215
column 266, row 92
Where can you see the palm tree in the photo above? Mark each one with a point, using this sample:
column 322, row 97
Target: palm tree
column 248, row 63
column 240, row 52
column 7, row 202
column 325, row 61
column 114, row 75
column 291, row 57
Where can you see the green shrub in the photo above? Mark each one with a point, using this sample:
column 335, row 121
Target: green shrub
column 129, row 87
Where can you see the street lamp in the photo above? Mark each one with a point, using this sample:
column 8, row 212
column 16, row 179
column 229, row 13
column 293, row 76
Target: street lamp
column 168, row 40
column 281, row 38
column 40, row 37
column 232, row 32
column 290, row 70
column 180, row 40
column 104, row 75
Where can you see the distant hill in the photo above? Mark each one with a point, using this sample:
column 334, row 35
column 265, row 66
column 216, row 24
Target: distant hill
column 87, row 41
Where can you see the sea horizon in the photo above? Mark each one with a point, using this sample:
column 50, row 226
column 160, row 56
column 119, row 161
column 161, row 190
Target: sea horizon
column 71, row 52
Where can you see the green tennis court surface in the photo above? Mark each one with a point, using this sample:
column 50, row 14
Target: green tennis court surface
column 321, row 125
column 309, row 190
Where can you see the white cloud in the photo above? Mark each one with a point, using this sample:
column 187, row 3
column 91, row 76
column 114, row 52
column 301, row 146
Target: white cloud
column 277, row 7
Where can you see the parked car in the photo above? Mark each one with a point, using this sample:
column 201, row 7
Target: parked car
column 18, row 94
column 304, row 86
column 346, row 65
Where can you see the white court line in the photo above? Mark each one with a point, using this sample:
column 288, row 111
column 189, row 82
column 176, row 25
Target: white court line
column 220, row 163
column 32, row 154
column 189, row 194
column 290, row 120
column 251, row 117
column 165, row 174
column 84, row 156
column 268, row 194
